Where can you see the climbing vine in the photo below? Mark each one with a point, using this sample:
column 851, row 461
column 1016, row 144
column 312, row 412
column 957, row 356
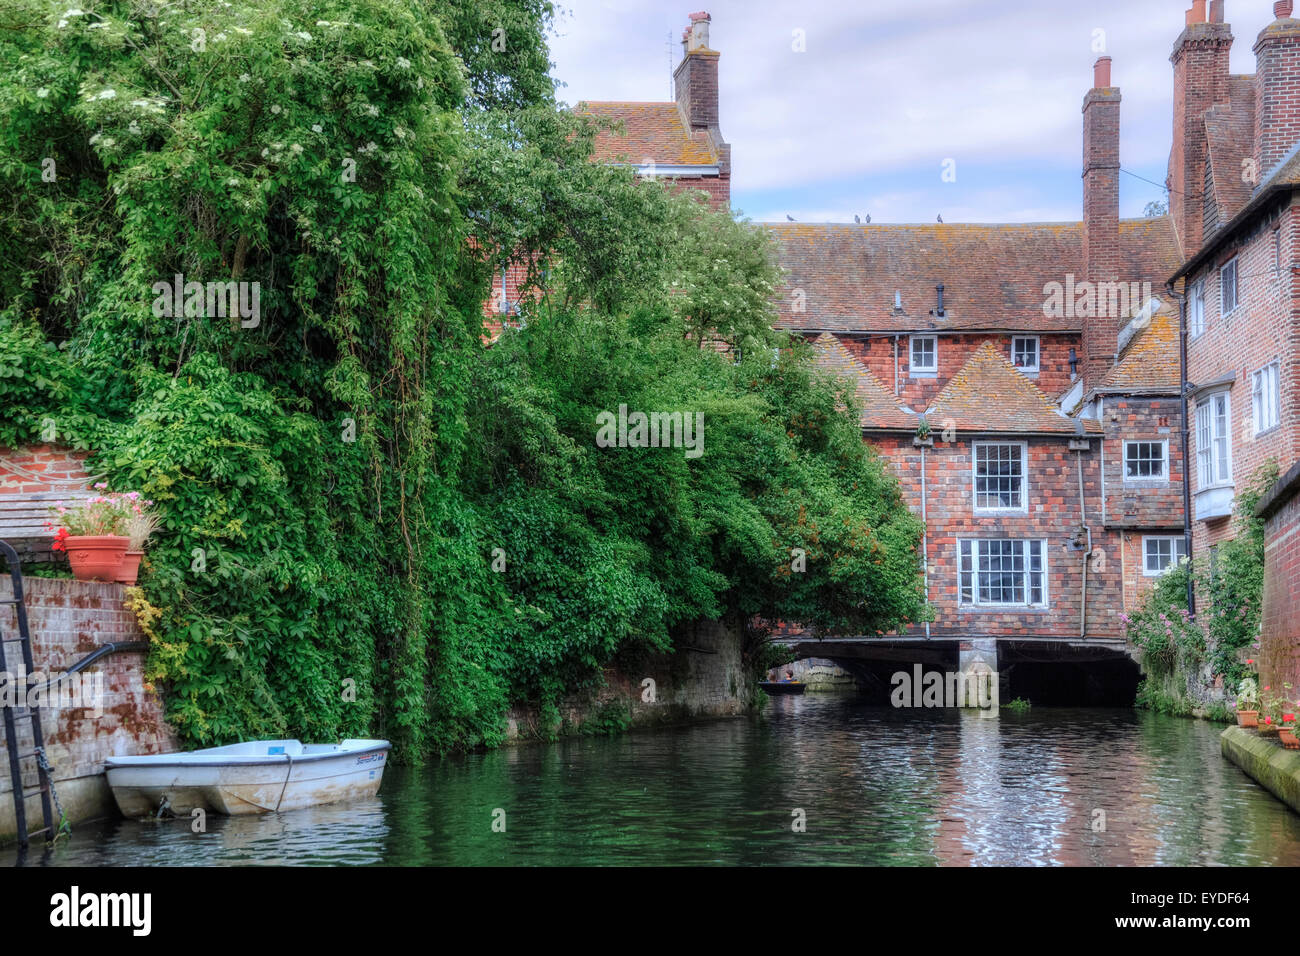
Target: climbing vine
column 371, row 523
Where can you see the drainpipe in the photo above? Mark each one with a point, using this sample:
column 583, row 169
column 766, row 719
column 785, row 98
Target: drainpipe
column 895, row 365
column 1101, row 419
column 925, row 544
column 1083, row 518
column 1182, row 408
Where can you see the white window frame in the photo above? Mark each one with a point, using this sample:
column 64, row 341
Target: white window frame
column 922, row 371
column 1196, row 309
column 1177, row 552
column 1038, row 354
column 1162, row 478
column 1230, row 265
column 1213, row 455
column 1023, row 507
column 972, row 564
column 1266, row 401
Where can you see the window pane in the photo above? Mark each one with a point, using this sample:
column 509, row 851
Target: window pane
column 1144, row 459
column 999, row 476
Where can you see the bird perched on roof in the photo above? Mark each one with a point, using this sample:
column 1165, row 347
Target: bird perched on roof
column 940, row 217
column 868, row 217
column 857, row 218
column 790, row 217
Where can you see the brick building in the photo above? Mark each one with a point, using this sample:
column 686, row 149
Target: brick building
column 1234, row 172
column 1046, row 373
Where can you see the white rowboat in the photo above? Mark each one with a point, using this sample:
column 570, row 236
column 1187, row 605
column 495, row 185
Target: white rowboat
column 261, row 776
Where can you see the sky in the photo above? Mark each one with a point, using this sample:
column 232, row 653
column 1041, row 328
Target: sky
column 865, row 119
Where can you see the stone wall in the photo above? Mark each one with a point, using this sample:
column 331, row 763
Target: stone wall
column 68, row 620
column 704, row 677
column 818, row 673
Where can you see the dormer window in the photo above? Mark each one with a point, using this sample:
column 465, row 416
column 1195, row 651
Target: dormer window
column 925, row 355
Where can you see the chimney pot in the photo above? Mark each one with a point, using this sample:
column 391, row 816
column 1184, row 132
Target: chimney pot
column 1198, row 11
column 1282, row 9
column 1216, row 11
column 1101, row 73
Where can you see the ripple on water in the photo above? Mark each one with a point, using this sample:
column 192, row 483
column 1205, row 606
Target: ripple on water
column 875, row 785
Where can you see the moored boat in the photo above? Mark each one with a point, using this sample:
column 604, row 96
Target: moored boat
column 260, row 776
column 782, row 686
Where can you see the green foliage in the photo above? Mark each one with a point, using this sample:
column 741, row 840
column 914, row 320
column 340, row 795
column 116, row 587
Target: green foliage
column 1229, row 595
column 1018, row 706
column 336, row 482
column 1151, row 695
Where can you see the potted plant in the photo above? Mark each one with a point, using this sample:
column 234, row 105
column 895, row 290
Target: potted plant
column 140, row 524
column 1248, row 703
column 923, row 436
column 94, row 536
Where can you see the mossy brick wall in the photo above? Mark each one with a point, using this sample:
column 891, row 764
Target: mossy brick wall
column 69, row 619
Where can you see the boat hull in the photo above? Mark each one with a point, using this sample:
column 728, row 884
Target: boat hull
column 782, row 687
column 237, row 784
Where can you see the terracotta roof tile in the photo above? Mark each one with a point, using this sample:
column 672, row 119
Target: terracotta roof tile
column 990, row 395
column 879, row 407
column 651, row 132
column 1230, row 138
column 1149, row 361
column 993, row 275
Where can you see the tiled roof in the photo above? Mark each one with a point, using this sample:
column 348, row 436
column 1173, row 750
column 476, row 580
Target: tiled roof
column 1150, row 360
column 1282, row 178
column 1230, row 138
column 650, row 132
column 879, row 407
column 993, row 275
column 990, row 395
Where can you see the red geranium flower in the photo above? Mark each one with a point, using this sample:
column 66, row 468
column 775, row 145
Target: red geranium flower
column 60, row 541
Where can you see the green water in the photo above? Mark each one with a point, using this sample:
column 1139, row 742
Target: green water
column 876, row 786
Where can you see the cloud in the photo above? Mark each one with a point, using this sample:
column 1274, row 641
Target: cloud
column 886, row 91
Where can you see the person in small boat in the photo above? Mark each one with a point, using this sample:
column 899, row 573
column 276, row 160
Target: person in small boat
column 789, row 678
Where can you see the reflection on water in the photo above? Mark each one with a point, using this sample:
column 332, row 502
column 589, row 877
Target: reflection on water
column 877, row 786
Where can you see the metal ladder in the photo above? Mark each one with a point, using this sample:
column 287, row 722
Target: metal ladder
column 13, row 715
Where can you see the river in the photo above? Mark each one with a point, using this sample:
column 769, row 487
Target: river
column 870, row 785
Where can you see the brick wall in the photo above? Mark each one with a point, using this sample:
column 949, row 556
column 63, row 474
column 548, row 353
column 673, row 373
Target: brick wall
column 1052, row 514
column 1262, row 329
column 1277, row 92
column 1142, row 503
column 42, row 468
column 1279, row 654
column 68, row 620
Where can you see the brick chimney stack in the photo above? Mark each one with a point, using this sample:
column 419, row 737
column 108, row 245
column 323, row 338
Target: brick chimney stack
column 1200, row 60
column 1101, row 260
column 696, row 77
column 1277, row 89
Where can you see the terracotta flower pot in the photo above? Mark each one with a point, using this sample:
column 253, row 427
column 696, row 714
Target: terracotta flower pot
column 1247, row 718
column 130, row 568
column 96, row 557
column 1289, row 740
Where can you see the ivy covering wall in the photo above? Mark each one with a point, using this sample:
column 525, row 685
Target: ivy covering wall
column 372, row 523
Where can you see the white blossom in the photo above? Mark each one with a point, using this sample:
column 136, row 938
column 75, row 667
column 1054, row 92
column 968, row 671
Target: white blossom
column 317, row 128
column 276, row 108
column 43, row 92
column 403, row 63
column 106, row 95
